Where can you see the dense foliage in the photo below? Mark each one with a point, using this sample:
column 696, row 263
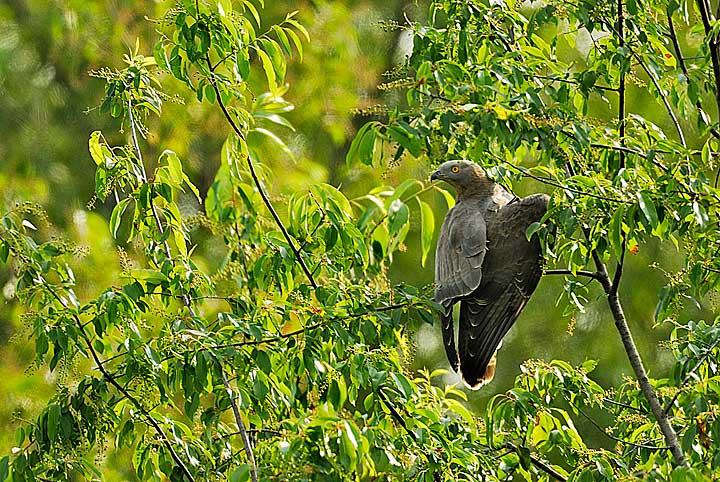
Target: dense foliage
column 288, row 359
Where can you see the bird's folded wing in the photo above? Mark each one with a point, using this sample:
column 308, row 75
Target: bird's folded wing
column 459, row 255
column 458, row 261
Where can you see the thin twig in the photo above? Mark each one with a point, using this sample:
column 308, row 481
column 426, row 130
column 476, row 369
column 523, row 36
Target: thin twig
column 618, row 439
column 566, row 272
column 624, row 405
column 713, row 46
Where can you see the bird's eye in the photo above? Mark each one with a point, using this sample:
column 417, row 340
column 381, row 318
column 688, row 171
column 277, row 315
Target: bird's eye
column 455, row 169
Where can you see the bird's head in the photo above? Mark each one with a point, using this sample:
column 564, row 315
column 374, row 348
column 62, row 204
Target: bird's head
column 462, row 175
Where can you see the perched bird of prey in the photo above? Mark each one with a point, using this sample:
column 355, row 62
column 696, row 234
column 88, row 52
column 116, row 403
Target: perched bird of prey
column 484, row 261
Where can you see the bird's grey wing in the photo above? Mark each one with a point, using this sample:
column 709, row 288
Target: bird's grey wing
column 459, row 257
column 511, row 272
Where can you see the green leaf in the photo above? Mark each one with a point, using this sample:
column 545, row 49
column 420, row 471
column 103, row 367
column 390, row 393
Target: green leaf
column 116, row 218
column 283, row 38
column 337, row 392
column 248, row 4
column 449, row 199
column 174, row 166
column 276, row 57
column 406, row 139
column 352, row 153
column 53, row 420
column 4, row 468
column 427, row 229
column 300, row 28
column 296, row 40
column 150, row 275
column 367, row 147
column 241, row 474
column 269, row 69
column 648, row 208
column 95, row 150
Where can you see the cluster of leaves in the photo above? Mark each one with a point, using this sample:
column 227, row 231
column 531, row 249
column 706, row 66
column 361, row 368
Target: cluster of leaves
column 504, row 85
column 299, row 368
column 288, row 359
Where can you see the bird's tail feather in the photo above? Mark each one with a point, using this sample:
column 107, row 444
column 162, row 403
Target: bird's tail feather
column 486, row 378
column 448, row 334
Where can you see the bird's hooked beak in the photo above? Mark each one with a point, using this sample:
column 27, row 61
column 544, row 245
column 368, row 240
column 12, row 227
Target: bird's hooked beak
column 436, row 176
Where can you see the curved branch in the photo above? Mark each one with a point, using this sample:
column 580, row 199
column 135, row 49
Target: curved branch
column 258, row 184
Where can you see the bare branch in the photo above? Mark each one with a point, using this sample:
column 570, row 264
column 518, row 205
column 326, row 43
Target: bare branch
column 681, row 61
column 713, row 46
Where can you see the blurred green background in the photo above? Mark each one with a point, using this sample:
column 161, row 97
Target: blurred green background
column 48, row 110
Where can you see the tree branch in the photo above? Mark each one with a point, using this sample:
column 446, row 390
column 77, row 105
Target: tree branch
column 618, row 439
column 566, row 272
column 713, row 46
column 120, row 388
column 241, row 427
column 663, row 97
column 634, row 357
column 681, row 61
column 258, row 184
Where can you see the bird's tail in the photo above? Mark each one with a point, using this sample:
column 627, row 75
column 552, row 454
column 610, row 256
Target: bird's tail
column 487, row 376
column 448, row 334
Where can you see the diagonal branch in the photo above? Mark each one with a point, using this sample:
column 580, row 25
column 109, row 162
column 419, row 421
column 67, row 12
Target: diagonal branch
column 108, row 376
column 259, row 185
column 681, row 61
column 713, row 46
